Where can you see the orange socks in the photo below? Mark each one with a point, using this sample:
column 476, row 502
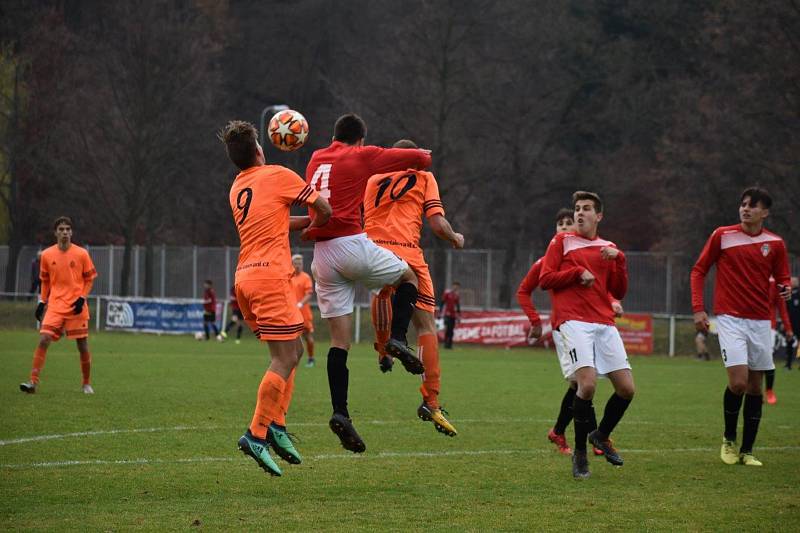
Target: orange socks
column 286, row 399
column 39, row 356
column 86, row 366
column 268, row 405
column 382, row 318
column 431, row 379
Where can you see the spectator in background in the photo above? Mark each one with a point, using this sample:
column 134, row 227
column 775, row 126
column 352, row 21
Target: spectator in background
column 793, row 306
column 210, row 309
column 36, row 283
column 303, row 287
column 450, row 310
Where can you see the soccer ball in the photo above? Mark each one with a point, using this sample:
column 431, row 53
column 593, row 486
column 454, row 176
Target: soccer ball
column 288, row 130
column 199, row 336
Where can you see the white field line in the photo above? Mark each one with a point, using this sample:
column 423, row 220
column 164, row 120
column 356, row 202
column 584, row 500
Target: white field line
column 495, row 421
column 350, row 456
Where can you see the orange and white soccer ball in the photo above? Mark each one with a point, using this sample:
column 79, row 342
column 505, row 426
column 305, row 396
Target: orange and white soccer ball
column 288, row 130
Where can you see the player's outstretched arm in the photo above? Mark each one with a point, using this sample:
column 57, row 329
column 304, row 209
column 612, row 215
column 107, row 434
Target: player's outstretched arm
column 322, row 213
column 395, row 159
column 442, row 229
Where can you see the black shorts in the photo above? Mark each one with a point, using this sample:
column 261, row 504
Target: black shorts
column 237, row 313
column 209, row 316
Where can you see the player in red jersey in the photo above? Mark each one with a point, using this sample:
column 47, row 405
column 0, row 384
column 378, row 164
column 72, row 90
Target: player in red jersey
column 582, row 270
column 210, row 310
column 67, row 274
column 778, row 304
column 746, row 256
column 564, row 223
column 344, row 255
column 261, row 198
column 450, row 310
column 236, row 317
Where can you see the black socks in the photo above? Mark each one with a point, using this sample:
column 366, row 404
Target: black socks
column 732, row 404
column 565, row 414
column 338, row 380
column 769, row 375
column 752, row 417
column 615, row 408
column 405, row 296
column 584, row 416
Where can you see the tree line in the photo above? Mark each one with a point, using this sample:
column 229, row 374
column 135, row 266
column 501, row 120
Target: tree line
column 668, row 109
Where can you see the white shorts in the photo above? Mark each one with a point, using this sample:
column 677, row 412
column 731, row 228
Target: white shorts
column 588, row 344
column 563, row 356
column 743, row 341
column 339, row 263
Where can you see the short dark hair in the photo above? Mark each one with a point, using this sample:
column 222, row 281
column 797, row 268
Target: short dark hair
column 586, row 195
column 457, row 283
column 62, row 220
column 405, row 143
column 349, row 129
column 565, row 212
column 208, row 282
column 241, row 141
column 757, row 195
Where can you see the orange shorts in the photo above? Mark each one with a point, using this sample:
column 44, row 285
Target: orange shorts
column 413, row 256
column 75, row 326
column 308, row 318
column 269, row 307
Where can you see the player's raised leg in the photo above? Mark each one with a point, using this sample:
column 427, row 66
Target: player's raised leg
column 430, row 410
column 381, row 316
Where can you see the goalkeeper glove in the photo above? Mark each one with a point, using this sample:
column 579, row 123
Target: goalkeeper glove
column 78, row 305
column 39, row 313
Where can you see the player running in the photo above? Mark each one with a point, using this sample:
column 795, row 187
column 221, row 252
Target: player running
column 582, row 270
column 746, row 256
column 303, row 289
column 343, row 255
column 564, row 223
column 394, row 206
column 67, row 274
column 261, row 197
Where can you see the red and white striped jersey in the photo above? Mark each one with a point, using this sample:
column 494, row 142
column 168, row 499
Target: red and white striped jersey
column 568, row 255
column 745, row 264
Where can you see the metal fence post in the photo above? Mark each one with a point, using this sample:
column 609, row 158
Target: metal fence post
column 163, row 269
column 227, row 268
column 97, row 318
column 194, row 271
column 488, row 303
column 136, row 271
column 672, row 335
column 448, row 277
column 668, row 287
column 110, row 269
column 16, row 273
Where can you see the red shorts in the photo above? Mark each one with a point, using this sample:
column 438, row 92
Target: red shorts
column 426, row 301
column 270, row 309
column 75, row 326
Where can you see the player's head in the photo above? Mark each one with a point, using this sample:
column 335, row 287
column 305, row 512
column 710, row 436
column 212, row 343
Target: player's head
column 62, row 228
column 456, row 286
column 350, row 129
column 565, row 220
column 208, row 284
column 405, row 143
column 754, row 205
column 588, row 212
column 297, row 262
column 241, row 143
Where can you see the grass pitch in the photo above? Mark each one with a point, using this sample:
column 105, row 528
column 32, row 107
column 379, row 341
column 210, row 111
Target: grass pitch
column 155, row 447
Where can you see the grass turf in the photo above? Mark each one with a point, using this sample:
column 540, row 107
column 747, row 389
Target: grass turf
column 168, row 410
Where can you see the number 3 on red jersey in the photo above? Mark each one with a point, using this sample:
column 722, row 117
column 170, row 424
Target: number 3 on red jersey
column 323, row 176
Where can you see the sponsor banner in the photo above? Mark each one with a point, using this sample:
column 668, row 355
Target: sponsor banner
column 156, row 315
column 510, row 328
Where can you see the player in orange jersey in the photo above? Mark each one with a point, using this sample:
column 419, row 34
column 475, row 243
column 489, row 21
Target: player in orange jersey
column 394, row 205
column 303, row 289
column 261, row 198
column 67, row 274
